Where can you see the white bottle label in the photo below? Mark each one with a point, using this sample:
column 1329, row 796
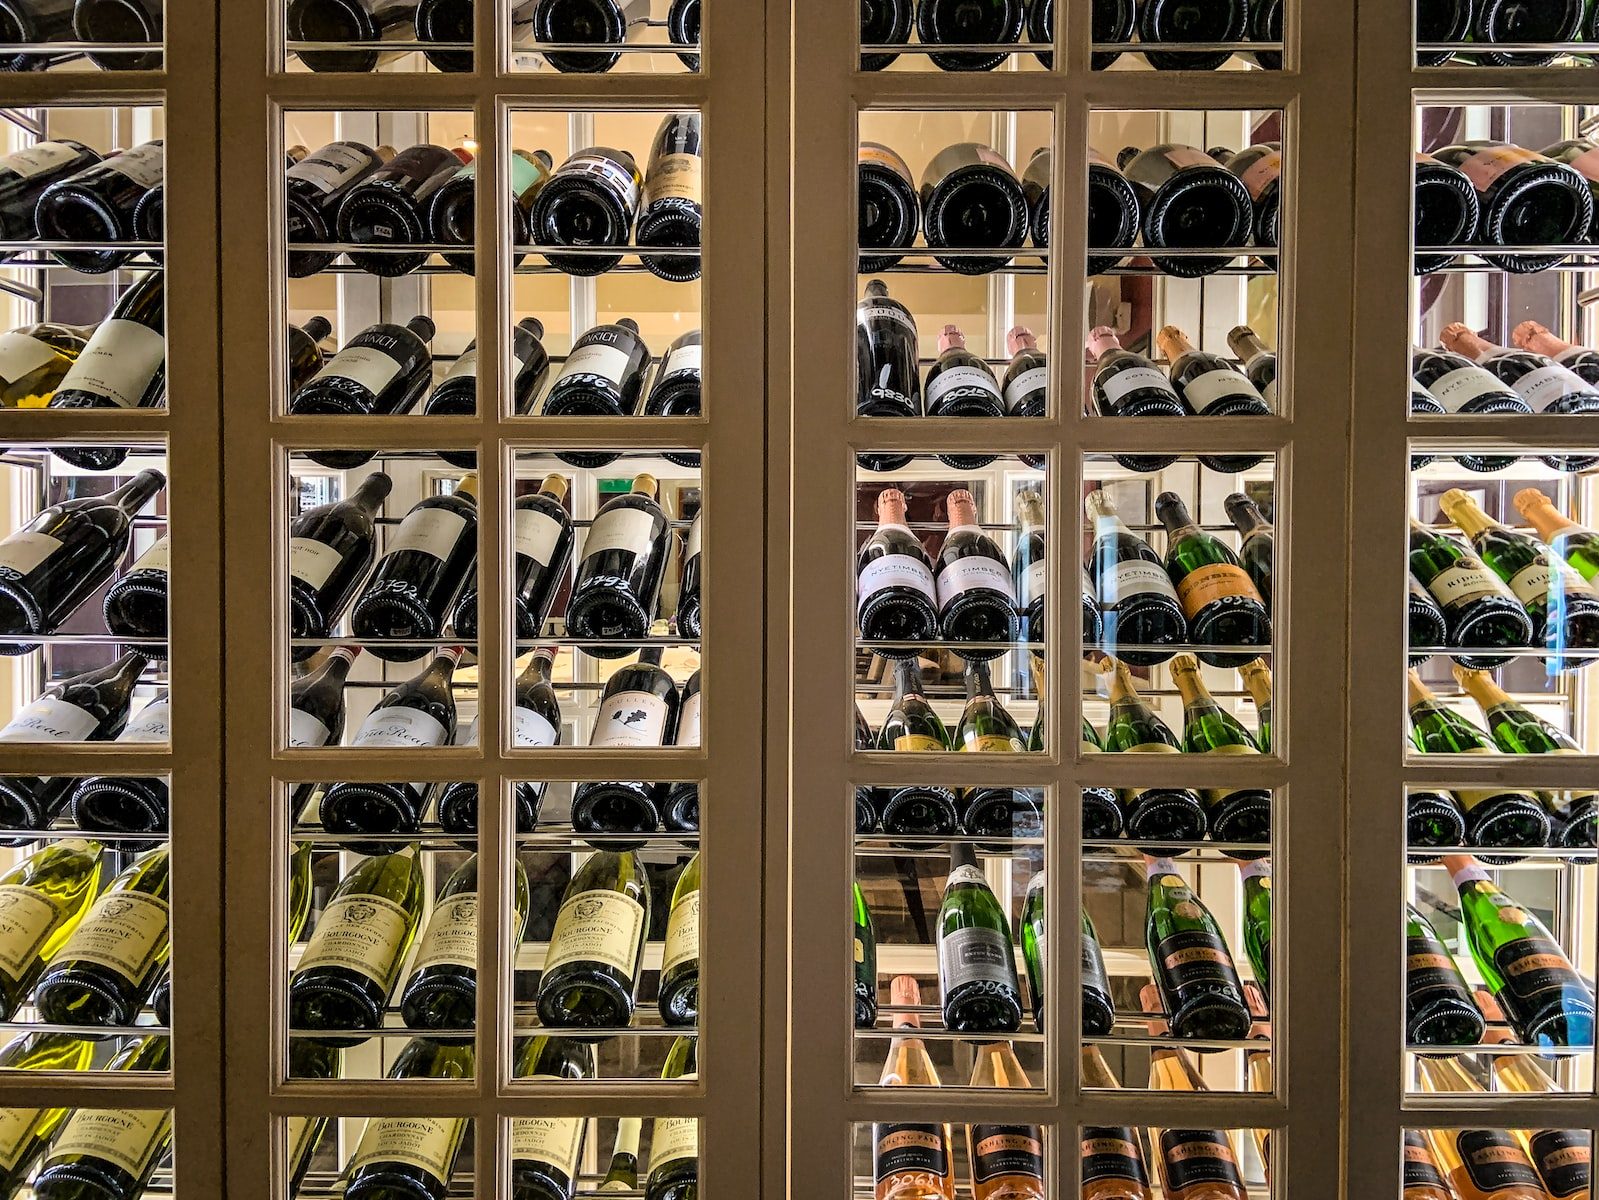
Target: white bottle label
column 682, row 932
column 885, row 312
column 1131, row 379
column 600, row 926
column 330, row 166
column 1531, row 584
column 311, row 561
column 119, row 362
column 427, row 1143
column 49, row 719
column 674, row 176
column 465, row 365
column 431, row 530
column 125, row 932
column 973, row 572
column 1036, row 579
column 466, row 733
column 691, row 547
column 365, row 365
column 400, row 726
column 306, row 731
column 1546, row 385
column 1255, row 868
column 143, row 164
column 620, row 529
column 1463, row 385
column 23, row 551
column 630, row 719
column 624, row 180
column 22, row 354
column 960, row 377
column 1203, row 391
column 529, row 728
column 674, row 1138
column 1134, row 577
column 895, row 570
column 27, row 919
column 362, row 932
column 129, row 1138
column 966, row 874
column 1024, row 385
column 688, row 722
column 608, row 362
column 152, row 723
column 555, row 1141
column 157, row 558
column 536, row 534
column 39, row 157
column 451, row 936
column 16, row 1126
column 1463, row 582
column 681, row 359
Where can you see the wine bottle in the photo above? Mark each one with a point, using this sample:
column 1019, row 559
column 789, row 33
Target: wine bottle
column 331, row 548
column 670, row 211
column 308, row 1060
column 365, row 21
column 1560, row 21
column 1425, row 625
column 639, row 707
column 34, row 359
column 24, row 1132
column 456, row 394
column 1186, row 199
column 1477, row 1162
column 382, row 371
column 1193, row 968
column 897, row 599
column 314, row 188
column 985, row 727
column 1232, row 814
column 55, row 562
column 675, row 1141
column 1447, row 211
column 97, row 204
column 1026, row 383
column 690, row 610
column 1480, row 610
column 976, row 961
column 679, row 994
column 111, row 1152
column 618, row 587
column 887, row 375
column 1260, row 362
column 1421, row 1176
column 865, row 962
column 1138, row 606
column 29, row 171
column 675, row 390
column 1127, row 384
column 123, row 366
column 1029, row 572
column 43, row 900
column 1545, row 385
column 412, row 1156
column 1212, row 386
column 1438, row 1005
column 452, row 211
column 1582, row 361
column 542, row 533
column 1255, row 876
column 606, row 23
column 352, row 962
column 1259, row 168
column 1113, row 211
column 971, row 198
column 317, row 701
column 1166, row 21
column 960, row 384
column 1219, row 599
column 389, row 207
column 603, row 376
column 305, row 357
column 410, row 593
column 889, row 207
column 1113, row 1164
column 1524, row 199
column 1098, row 1013
column 976, row 597
column 1577, row 545
column 680, row 811
column 441, row 993
column 1424, row 403
column 993, row 22
column 923, row 810
column 1433, row 819
column 1255, row 553
column 452, row 21
column 1192, row 1161
column 1006, row 1161
column 128, row 804
column 1257, row 682
column 103, row 973
column 589, row 201
column 1440, row 21
column 1102, row 809
column 545, row 1151
column 622, row 1174
column 590, row 974
column 911, row 1161
column 1446, row 382
column 1161, row 813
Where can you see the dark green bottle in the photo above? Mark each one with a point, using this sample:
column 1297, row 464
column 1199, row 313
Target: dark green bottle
column 985, row 727
column 1221, row 602
column 1439, row 1010
column 865, row 963
column 912, row 726
column 1255, row 875
column 1102, row 811
column 1164, row 814
column 1480, row 611
column 976, row 960
column 1257, row 682
column 1578, row 545
column 412, row 1158
column 110, row 1154
column 1193, row 968
column 675, row 1141
column 1255, row 553
column 1240, row 815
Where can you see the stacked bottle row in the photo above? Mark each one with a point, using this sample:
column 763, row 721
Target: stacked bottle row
column 1476, row 26
column 65, row 191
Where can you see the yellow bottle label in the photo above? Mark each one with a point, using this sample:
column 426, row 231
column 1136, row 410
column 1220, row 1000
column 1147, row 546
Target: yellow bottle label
column 682, row 932
column 125, row 931
column 994, row 743
column 16, row 1129
column 1213, row 582
column 127, row 1138
column 363, row 933
column 919, row 743
column 556, row 1141
column 674, row 1138
column 27, row 919
column 428, row 1143
column 598, row 926
column 451, row 937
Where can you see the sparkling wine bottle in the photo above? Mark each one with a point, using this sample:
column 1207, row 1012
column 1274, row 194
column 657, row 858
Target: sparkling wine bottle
column 1441, row 21
column 985, row 727
column 884, row 23
column 1113, row 1163
column 1127, row 384
column 1558, row 21
column 1098, row 1014
column 1162, row 814
column 616, row 596
column 1447, row 211
column 1219, row 599
column 1192, row 1161
column 1491, row 1157
column 97, row 205
column 1028, row 572
column 690, row 605
column 589, row 201
column 441, row 993
column 1260, row 362
column 601, row 23
column 1167, row 21
column 1480, row 610
column 639, row 708
column 1102, row 808
column 331, row 548
column 389, row 208
column 1140, row 612
column 1212, row 386
column 976, row 596
column 1544, row 384
column 1577, row 545
column 1232, row 814
column 1524, row 199
column 1438, row 1005
column 452, row 210
column 890, row 209
column 887, row 375
column 1193, row 968
column 1582, row 361
column 971, row 199
column 111, row 1152
column 456, row 394
column 1114, row 215
column 911, row 1161
column 129, row 804
column 897, row 597
column 925, row 810
column 1259, row 168
column 1026, row 382
column 991, row 22
column 412, row 1156
column 960, row 384
column 679, row 995
column 670, row 210
column 590, row 975
column 546, row 1151
column 1255, row 875
column 1257, row 682
column 1255, row 553
column 359, row 21
column 865, row 962
column 1421, row 1176
column 123, row 366
column 542, row 533
column 976, row 961
column 43, row 899
column 1006, row 1161
column 680, row 811
column 1425, row 626
column 1187, row 199
column 314, row 188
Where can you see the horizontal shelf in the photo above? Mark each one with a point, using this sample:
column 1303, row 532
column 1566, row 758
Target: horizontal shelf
column 441, row 642
column 1048, row 47
column 87, row 1031
column 1469, row 48
column 557, row 838
column 69, row 47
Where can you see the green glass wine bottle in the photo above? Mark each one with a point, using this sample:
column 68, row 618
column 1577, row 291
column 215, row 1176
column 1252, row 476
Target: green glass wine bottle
column 986, row 728
column 104, row 972
column 865, row 963
column 679, row 991
column 412, row 1158
column 42, row 900
column 591, row 972
column 1529, row 974
column 1033, row 940
column 674, row 1172
column 1438, row 1007
column 1102, row 810
column 308, row 1060
column 24, row 1132
column 1481, row 613
column 545, row 1150
column 1199, row 985
column 1240, row 815
column 1221, row 602
column 622, row 1174
column 1257, row 682
column 1579, row 546
column 352, row 962
column 912, row 726
column 976, row 960
column 1255, row 875
column 1165, row 814
column 441, row 993
column 110, row 1154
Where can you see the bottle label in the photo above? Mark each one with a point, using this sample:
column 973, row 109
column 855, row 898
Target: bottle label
column 974, row 955
column 38, row 158
column 312, row 561
column 871, row 314
column 688, row 722
column 682, row 932
column 1034, row 379
column 1419, row 1168
column 1134, row 577
column 674, row 177
column 1546, row 385
column 672, row 1139
column 970, row 873
column 301, row 1132
column 1255, row 868
column 16, row 1124
column 895, row 571
column 1461, row 386
column 152, row 723
column 49, row 719
column 363, row 933
column 366, row 366
column 427, row 1143
column 872, row 153
column 451, row 937
column 142, row 164
column 399, row 726
column 1563, row 1158
column 990, row 743
column 466, row 365
column 629, row 529
column 1203, row 391
column 536, row 534
column 1195, row 957
column 910, row 1154
column 1487, row 165
column 22, row 354
column 954, row 378
column 1187, row 156
column 1429, row 969
column 554, row 1141
column 1492, row 1161
column 630, row 719
column 1531, row 584
column 608, row 362
column 1117, row 385
column 601, row 926
column 1212, row 582
column 1262, row 173
column 1533, row 965
column 129, row 1138
column 1195, row 1157
column 331, row 167
column 157, row 558
column 1037, row 577
column 433, row 531
column 974, row 572
column 529, row 728
column 1007, row 1154
column 1112, row 1153
column 691, row 546
column 681, row 360
column 1465, row 581
column 466, row 733
column 306, row 731
column 120, row 360
column 623, row 178
column 27, row 918
column 25, row 550
column 125, row 932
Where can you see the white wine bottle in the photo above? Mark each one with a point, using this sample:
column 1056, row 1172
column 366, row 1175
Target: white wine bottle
column 412, row 1158
column 622, row 1174
column 545, row 1151
column 679, row 995
column 675, row 1141
column 591, row 972
column 308, row 1060
column 111, row 1153
column 42, row 900
column 441, row 993
column 24, row 1132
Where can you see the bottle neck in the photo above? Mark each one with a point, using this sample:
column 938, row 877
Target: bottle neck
column 1530, row 335
column 1479, row 685
column 138, row 491
column 1121, row 686
column 962, row 854
column 1257, row 682
column 1189, row 685
column 978, row 683
column 538, row 668
column 1246, row 343
column 644, row 485
column 373, row 491
column 650, row 655
column 129, row 667
column 555, row 487
column 1173, row 514
column 422, row 327
column 1420, row 693
column 1463, row 511
column 337, row 667
column 1540, row 512
column 907, row 680
column 467, row 487
column 1246, row 518
column 1173, row 343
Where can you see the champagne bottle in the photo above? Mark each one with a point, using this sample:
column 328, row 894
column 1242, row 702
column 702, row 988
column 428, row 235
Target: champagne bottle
column 1481, row 611
column 589, row 201
column 1433, row 819
column 1192, row 1161
column 382, row 371
column 1006, row 1161
column 884, row 23
column 681, row 808
column 1113, row 212
column 1126, row 384
column 314, row 188
column 889, row 208
column 971, row 199
column 1545, row 385
column 1255, row 875
column 976, row 961
column 639, row 707
column 618, row 588
column 1187, row 198
column 1257, row 682
column 543, row 538
column 924, row 810
column 412, row 1156
column 1194, row 971
column 103, row 973
column 410, row 592
column 1219, row 599
column 106, row 1152
column 1581, row 360
column 1164, row 814
column 43, row 899
column 941, row 21
column 129, row 804
column 545, row 1151
column 622, row 1174
column 670, row 210
column 1422, row 1178
column 308, row 1060
column 352, row 962
column 1259, row 1069
column 865, row 962
column 1211, row 386
column 867, row 804
column 1259, row 168
column 441, row 993
column 366, row 23
column 675, row 1141
column 679, row 994
column 1425, row 625
column 1103, row 817
column 1113, row 1164
column 35, row 358
column 123, row 366
column 1496, row 817
column 1138, row 604
column 911, row 1161
column 136, row 605
column 888, row 380
column 29, row 171
column 1477, row 1162
column 1232, row 814
column 590, row 975
column 98, row 204
column 895, row 589
column 452, row 210
column 389, row 208
column 1255, row 553
column 1166, row 22
column 1525, row 199
column 1558, row 22
column 986, row 728
column 1260, row 362
column 1446, row 209
column 331, row 548
column 24, row 1132
column 960, row 384
column 1029, row 577
column 690, row 618
column 55, row 562
column 1577, row 545
column 1438, row 1006
column 1099, row 1015
column 976, row 596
